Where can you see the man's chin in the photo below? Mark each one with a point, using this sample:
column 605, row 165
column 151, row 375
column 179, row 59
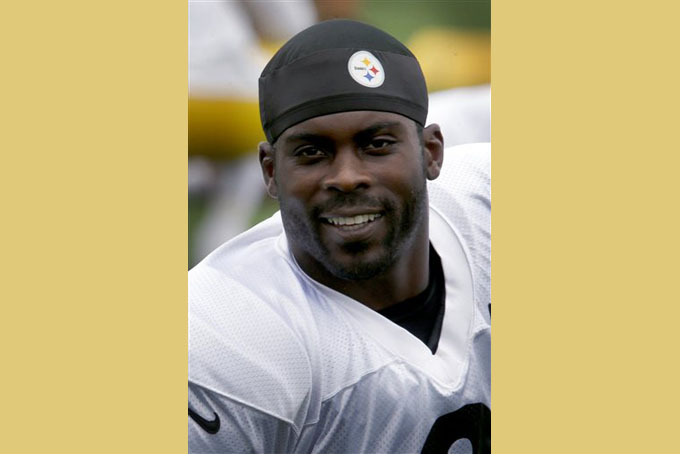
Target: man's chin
column 358, row 268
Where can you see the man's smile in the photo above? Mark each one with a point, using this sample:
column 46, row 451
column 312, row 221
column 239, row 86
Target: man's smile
column 353, row 229
column 351, row 220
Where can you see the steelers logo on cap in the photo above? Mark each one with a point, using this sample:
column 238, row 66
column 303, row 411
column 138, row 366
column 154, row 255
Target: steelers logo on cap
column 365, row 69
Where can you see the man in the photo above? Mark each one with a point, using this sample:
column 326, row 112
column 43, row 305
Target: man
column 357, row 319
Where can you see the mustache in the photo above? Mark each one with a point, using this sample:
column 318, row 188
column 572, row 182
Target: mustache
column 344, row 201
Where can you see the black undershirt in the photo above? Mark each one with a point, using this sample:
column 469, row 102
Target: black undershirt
column 422, row 315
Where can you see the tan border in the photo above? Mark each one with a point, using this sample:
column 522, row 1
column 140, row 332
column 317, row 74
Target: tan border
column 585, row 159
column 94, row 227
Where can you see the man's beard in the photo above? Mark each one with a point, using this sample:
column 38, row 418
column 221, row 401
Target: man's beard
column 400, row 236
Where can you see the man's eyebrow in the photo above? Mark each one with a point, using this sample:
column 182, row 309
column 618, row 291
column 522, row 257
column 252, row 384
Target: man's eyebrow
column 305, row 137
column 363, row 134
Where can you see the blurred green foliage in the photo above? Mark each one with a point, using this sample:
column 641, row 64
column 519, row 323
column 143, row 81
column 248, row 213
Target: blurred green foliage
column 402, row 18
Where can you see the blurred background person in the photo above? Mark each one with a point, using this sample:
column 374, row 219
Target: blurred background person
column 231, row 41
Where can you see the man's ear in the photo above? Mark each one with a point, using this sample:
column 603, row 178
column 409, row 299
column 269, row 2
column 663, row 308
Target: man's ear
column 433, row 147
column 266, row 155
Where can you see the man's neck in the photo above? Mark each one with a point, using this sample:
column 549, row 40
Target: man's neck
column 406, row 278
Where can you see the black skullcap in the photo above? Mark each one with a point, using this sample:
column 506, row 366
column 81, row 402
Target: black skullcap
column 337, row 66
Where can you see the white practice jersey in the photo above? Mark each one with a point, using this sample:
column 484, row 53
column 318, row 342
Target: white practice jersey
column 281, row 363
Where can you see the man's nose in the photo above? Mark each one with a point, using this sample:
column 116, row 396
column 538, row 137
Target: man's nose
column 347, row 172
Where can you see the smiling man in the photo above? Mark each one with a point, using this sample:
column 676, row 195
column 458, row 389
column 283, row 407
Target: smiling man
column 357, row 319
column 352, row 189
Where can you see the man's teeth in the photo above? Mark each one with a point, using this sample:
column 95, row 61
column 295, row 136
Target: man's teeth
column 358, row 219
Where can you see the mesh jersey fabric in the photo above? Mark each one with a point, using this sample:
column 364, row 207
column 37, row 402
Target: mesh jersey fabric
column 290, row 365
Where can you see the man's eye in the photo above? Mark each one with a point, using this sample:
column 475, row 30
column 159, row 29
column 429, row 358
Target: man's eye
column 379, row 144
column 309, row 152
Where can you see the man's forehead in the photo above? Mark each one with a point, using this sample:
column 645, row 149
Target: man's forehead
column 346, row 123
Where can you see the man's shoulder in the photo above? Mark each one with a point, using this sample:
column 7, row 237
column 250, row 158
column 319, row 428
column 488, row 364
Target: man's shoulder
column 242, row 343
column 464, row 184
column 461, row 196
column 253, row 267
column 466, row 168
column 248, row 281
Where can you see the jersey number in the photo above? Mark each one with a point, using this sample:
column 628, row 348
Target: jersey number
column 472, row 421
